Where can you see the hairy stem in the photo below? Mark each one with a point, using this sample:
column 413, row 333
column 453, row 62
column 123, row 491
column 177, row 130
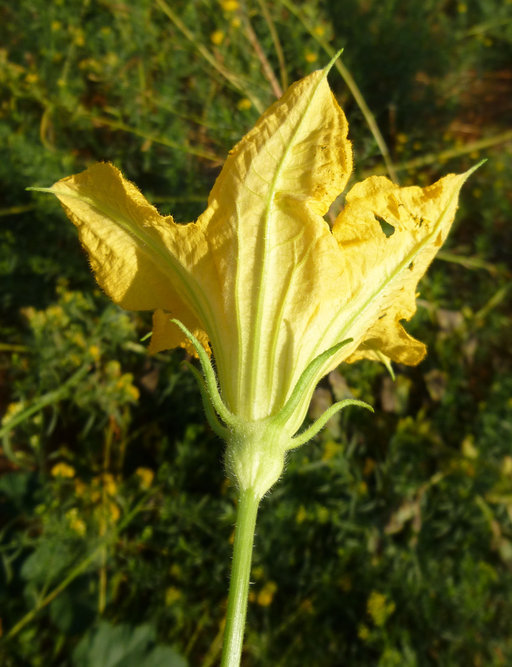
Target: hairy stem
column 239, row 584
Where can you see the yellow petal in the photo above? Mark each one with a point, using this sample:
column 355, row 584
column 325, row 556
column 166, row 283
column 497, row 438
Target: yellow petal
column 383, row 266
column 167, row 335
column 142, row 260
column 260, row 274
column 275, row 255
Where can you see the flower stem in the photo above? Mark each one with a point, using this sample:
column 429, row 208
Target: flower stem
column 240, row 573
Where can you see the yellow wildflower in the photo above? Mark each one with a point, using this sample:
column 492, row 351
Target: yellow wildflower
column 78, row 37
column 12, row 410
column 217, row 37
column 379, row 609
column 229, row 5
column 80, row 487
column 310, row 57
column 94, row 351
column 145, row 476
column 244, row 104
column 75, row 522
column 114, row 512
column 266, row 595
column 109, row 484
column 62, row 470
column 260, row 279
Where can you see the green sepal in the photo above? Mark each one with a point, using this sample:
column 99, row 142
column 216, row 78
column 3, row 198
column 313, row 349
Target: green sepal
column 305, row 381
column 386, row 361
column 211, row 415
column 210, row 379
column 316, row 426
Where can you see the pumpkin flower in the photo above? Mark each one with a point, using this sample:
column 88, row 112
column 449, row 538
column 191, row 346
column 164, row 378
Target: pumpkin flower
column 264, row 287
column 260, row 280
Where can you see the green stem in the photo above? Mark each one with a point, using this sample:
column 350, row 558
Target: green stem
column 240, row 573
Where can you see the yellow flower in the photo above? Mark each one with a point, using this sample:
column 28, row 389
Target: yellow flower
column 31, row 77
column 244, row 104
column 78, row 37
column 114, row 511
column 75, row 522
column 146, row 476
column 62, row 470
column 379, row 609
column 261, row 280
column 217, row 37
column 109, row 483
column 94, row 351
column 12, row 410
column 80, row 487
column 266, row 595
column 229, row 5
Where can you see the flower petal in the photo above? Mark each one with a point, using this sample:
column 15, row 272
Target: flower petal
column 141, row 259
column 166, row 335
column 388, row 236
column 274, row 252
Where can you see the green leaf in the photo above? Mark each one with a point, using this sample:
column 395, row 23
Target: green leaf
column 124, row 646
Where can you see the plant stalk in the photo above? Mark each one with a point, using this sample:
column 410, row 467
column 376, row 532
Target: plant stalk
column 240, row 573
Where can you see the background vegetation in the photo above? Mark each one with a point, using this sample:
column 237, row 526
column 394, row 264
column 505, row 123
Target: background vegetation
column 389, row 540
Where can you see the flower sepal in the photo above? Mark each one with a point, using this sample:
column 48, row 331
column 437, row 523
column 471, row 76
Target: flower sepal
column 255, row 455
column 256, row 449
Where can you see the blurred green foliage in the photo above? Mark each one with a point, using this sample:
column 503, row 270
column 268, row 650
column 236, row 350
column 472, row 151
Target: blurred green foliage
column 389, row 540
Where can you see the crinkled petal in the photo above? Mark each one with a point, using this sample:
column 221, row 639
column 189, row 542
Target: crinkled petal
column 275, row 254
column 388, row 236
column 166, row 335
column 141, row 259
